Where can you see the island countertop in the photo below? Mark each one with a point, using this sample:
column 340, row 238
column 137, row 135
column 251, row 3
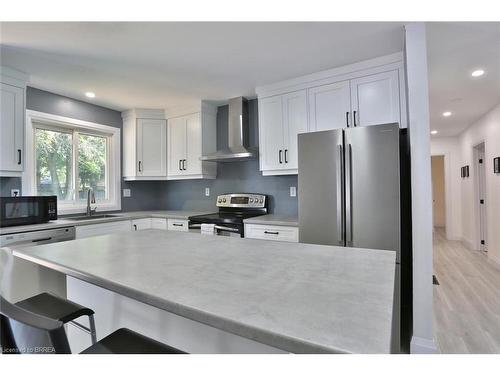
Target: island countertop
column 296, row 297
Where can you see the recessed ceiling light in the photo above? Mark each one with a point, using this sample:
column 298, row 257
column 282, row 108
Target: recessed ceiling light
column 434, row 132
column 447, row 114
column 90, row 94
column 477, row 73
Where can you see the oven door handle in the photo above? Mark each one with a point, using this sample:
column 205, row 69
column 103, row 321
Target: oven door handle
column 218, row 227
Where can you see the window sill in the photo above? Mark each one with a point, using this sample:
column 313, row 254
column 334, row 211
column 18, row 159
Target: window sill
column 69, row 209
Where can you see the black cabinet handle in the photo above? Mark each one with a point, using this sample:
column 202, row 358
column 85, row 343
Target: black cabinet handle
column 279, row 153
column 268, row 232
column 286, row 153
column 354, row 118
column 19, row 156
column 347, row 118
column 135, row 226
column 184, row 162
column 177, row 225
column 42, row 239
column 140, row 164
column 180, row 164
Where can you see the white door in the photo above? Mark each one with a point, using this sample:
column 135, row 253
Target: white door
column 330, row 106
column 375, row 99
column 151, row 147
column 295, row 122
column 192, row 163
column 271, row 133
column 11, row 128
column 176, row 145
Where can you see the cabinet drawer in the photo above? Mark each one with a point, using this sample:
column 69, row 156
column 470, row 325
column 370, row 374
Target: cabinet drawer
column 158, row 223
column 178, row 225
column 100, row 229
column 272, row 232
column 141, row 224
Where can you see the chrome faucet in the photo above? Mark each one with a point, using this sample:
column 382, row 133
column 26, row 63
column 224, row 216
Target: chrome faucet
column 90, row 199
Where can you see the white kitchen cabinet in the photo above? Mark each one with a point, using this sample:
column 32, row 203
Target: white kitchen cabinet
column 144, row 145
column 281, row 119
column 12, row 113
column 375, row 99
column 330, row 106
column 141, row 224
column 158, row 223
column 189, row 136
column 178, row 225
column 272, row 232
column 92, row 230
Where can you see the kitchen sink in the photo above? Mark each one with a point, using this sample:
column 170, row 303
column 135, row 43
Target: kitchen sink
column 93, row 217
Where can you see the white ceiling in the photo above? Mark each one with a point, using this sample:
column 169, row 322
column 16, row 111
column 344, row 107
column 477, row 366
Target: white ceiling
column 159, row 65
column 454, row 51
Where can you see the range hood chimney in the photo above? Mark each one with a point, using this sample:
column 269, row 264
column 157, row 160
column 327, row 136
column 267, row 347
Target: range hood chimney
column 238, row 149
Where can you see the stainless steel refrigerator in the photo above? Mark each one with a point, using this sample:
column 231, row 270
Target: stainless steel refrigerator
column 350, row 193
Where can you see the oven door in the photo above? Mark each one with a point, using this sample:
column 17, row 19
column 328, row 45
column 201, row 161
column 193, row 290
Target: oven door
column 220, row 229
column 27, row 210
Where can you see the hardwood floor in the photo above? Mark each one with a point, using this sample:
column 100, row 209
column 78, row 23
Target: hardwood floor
column 467, row 301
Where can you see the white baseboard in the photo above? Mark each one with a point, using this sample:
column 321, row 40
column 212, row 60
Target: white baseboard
column 419, row 345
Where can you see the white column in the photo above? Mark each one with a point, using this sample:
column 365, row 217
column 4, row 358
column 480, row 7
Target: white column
column 418, row 119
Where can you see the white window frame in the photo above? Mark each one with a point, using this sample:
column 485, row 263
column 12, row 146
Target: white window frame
column 113, row 171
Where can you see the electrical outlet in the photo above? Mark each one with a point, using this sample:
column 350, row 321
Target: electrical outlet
column 15, row 193
column 293, row 191
column 127, row 193
column 207, row 192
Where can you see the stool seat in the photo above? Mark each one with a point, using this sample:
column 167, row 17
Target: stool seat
column 51, row 306
column 125, row 341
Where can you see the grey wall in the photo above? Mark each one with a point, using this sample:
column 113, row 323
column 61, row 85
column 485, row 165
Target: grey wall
column 186, row 194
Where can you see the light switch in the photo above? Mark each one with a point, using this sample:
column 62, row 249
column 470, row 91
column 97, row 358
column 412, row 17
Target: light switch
column 126, row 193
column 207, row 192
column 293, row 191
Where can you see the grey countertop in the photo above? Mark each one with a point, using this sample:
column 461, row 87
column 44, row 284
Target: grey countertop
column 117, row 216
column 272, row 219
column 297, row 297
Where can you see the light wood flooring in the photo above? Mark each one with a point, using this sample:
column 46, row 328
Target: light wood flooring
column 467, row 301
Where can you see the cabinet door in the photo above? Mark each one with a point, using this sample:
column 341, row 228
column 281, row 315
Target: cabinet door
column 329, row 106
column 295, row 122
column 192, row 162
column 375, row 99
column 176, row 145
column 141, row 224
column 271, row 137
column 11, row 128
column 151, row 147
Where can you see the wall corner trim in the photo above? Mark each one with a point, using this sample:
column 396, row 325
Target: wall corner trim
column 420, row 345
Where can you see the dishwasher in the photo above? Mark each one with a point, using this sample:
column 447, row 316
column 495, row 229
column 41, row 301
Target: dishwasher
column 20, row 278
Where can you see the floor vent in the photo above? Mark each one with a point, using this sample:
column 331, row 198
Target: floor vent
column 435, row 280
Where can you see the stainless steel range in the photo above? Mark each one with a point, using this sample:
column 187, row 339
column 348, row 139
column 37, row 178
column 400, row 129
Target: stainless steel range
column 233, row 209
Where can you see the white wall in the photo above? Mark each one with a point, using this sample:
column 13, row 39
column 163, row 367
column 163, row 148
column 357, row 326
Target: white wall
column 449, row 147
column 418, row 119
column 460, row 193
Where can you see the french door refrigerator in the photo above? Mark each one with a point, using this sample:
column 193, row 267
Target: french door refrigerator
column 350, row 185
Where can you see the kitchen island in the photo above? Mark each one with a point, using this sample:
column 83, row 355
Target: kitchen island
column 198, row 293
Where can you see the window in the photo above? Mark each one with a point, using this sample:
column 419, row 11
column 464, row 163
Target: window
column 70, row 157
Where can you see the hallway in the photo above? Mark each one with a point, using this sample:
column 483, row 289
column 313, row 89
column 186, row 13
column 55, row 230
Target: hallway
column 467, row 301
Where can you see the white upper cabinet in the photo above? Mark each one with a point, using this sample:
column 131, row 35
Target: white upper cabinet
column 12, row 113
column 375, row 99
column 152, row 147
column 144, row 144
column 281, row 118
column 330, row 106
column 189, row 136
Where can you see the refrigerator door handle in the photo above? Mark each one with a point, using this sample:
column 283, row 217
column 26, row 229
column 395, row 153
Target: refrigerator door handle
column 340, row 196
column 350, row 197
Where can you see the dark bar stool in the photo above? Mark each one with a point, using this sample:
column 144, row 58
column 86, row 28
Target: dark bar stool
column 23, row 331
column 54, row 307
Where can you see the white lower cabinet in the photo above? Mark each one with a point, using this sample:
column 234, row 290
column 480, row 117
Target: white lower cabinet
column 84, row 231
column 159, row 223
column 141, row 224
column 178, row 225
column 272, row 232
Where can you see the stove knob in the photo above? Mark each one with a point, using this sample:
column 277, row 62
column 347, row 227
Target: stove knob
column 261, row 200
column 220, row 200
column 251, row 200
column 224, row 200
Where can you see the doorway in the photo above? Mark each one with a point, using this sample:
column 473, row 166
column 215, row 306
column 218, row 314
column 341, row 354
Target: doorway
column 438, row 192
column 480, row 196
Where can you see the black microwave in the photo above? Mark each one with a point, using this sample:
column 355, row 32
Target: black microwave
column 27, row 210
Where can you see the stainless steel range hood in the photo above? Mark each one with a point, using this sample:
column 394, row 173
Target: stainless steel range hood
column 238, row 149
